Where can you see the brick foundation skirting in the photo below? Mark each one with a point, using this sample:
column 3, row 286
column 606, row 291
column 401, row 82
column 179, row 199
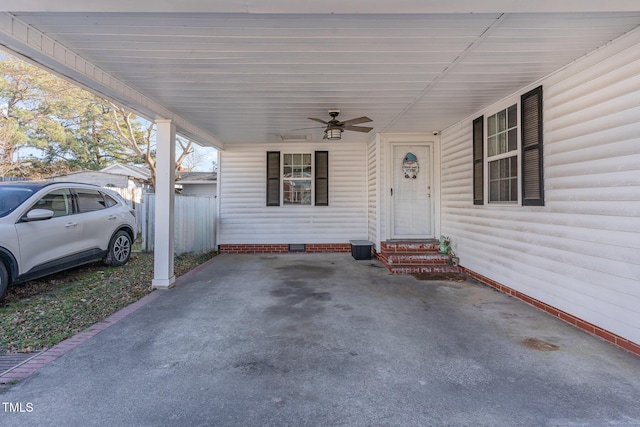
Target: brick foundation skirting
column 592, row 329
column 282, row 248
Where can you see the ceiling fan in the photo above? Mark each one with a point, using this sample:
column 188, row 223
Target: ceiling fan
column 335, row 127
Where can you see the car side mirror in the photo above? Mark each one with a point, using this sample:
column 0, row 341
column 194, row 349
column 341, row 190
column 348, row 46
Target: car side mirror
column 37, row 215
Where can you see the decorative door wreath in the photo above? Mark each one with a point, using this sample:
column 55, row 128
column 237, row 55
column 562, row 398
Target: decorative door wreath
column 410, row 166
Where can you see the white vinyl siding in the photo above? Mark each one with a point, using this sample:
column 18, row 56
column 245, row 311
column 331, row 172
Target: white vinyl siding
column 581, row 251
column 245, row 218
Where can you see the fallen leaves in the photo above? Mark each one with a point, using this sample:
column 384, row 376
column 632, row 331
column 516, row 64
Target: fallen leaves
column 39, row 314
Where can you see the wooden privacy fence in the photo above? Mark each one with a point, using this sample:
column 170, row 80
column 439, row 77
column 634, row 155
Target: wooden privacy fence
column 194, row 223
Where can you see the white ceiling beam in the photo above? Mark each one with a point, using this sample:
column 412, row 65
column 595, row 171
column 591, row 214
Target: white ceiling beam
column 19, row 38
column 324, row 6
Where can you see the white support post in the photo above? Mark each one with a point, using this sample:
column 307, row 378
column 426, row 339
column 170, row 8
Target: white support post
column 164, row 277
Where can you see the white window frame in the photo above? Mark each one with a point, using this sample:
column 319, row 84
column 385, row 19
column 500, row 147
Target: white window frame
column 284, row 179
column 515, row 153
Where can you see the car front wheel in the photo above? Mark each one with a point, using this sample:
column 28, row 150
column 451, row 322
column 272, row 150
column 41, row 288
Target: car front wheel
column 4, row 280
column 119, row 249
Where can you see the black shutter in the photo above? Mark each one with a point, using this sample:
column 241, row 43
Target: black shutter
column 273, row 178
column 532, row 168
column 478, row 161
column 322, row 178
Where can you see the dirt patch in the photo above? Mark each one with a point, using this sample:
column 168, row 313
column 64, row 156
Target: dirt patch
column 540, row 345
column 451, row 277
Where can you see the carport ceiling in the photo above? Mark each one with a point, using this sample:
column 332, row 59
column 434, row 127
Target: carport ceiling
column 252, row 77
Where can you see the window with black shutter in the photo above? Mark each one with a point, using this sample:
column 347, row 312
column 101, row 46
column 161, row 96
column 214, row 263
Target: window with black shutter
column 478, row 161
column 322, row 178
column 273, row 178
column 507, row 158
column 295, row 176
column 531, row 137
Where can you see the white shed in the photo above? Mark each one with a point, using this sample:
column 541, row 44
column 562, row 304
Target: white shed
column 198, row 183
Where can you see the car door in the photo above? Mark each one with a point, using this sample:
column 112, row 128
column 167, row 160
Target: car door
column 98, row 222
column 49, row 242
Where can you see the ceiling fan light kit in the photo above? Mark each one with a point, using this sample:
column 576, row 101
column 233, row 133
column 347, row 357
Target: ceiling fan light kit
column 333, row 133
column 334, row 128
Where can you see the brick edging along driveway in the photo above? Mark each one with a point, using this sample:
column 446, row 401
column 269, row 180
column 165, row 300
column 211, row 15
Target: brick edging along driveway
column 23, row 370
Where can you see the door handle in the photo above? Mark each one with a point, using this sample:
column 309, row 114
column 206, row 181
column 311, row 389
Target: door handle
column 112, row 217
column 70, row 224
column 392, row 192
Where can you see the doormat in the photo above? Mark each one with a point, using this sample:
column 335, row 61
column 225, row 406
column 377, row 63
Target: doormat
column 451, row 277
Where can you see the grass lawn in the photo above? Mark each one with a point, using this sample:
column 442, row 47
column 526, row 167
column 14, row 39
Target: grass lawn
column 41, row 313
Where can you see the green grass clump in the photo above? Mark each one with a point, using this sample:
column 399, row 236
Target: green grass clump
column 39, row 314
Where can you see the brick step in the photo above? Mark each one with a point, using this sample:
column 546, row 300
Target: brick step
column 410, row 247
column 410, row 257
column 424, row 269
column 425, row 258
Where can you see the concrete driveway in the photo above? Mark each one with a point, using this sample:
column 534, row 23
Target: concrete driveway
column 322, row 339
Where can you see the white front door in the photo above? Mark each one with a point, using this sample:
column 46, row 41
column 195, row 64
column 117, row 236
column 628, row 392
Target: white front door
column 411, row 207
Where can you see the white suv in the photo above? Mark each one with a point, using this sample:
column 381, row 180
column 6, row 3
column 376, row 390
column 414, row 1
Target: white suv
column 49, row 227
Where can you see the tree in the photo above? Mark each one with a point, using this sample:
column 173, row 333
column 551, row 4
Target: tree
column 57, row 120
column 67, row 128
column 140, row 139
column 21, row 109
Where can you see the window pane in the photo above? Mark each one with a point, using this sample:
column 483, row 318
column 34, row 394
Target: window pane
column 494, row 171
column 502, row 138
column 110, row 201
column 297, row 192
column 11, row 198
column 296, row 183
column 504, row 168
column 513, row 139
column 503, row 180
column 494, row 194
column 492, row 146
column 58, row 201
column 512, row 117
column 502, row 143
column 491, row 125
column 89, row 200
column 514, row 189
column 504, row 190
column 502, row 121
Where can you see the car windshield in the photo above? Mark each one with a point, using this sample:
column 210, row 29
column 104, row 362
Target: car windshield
column 12, row 197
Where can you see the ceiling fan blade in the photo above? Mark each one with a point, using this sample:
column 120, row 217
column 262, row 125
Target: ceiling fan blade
column 314, row 127
column 318, row 120
column 355, row 121
column 364, row 129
